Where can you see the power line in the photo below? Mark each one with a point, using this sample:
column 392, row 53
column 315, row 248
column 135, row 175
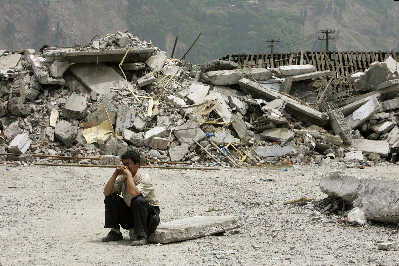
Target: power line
column 327, row 35
column 271, row 45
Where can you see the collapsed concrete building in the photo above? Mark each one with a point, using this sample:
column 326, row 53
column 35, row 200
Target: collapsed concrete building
column 119, row 92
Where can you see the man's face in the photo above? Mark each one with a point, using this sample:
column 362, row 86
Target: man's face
column 130, row 164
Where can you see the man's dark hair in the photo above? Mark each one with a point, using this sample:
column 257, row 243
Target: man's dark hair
column 133, row 155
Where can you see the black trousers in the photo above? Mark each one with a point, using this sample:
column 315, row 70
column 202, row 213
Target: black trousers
column 140, row 216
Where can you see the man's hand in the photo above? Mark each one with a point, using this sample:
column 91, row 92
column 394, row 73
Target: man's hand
column 120, row 170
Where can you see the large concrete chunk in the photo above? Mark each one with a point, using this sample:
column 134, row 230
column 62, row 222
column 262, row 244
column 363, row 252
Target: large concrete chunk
column 392, row 65
column 65, row 132
column 197, row 92
column 361, row 115
column 157, row 61
column 303, row 112
column 223, row 77
column 260, row 74
column 189, row 133
column 192, row 228
column 281, row 135
column 9, row 61
column 58, row 68
column 98, row 78
column 221, row 106
column 383, row 127
column 376, row 74
column 376, row 198
column 294, row 70
column 75, row 107
column 40, row 69
column 393, row 137
column 376, row 146
column 241, row 128
column 20, row 144
column 287, row 84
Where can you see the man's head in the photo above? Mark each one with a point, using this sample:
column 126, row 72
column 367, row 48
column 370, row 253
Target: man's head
column 132, row 160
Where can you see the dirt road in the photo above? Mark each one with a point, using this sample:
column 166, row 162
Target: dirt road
column 55, row 216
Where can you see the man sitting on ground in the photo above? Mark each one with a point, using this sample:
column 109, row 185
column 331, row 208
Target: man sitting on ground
column 137, row 210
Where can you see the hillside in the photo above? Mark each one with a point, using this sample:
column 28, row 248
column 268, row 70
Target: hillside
column 228, row 26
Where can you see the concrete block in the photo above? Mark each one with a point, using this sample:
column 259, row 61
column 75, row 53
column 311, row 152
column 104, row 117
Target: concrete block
column 293, row 70
column 383, row 127
column 133, row 138
column 363, row 113
column 139, row 123
column 114, row 146
column 303, row 112
column 241, row 128
column 390, row 105
column 156, row 132
column 375, row 197
column 75, row 107
column 157, row 61
column 274, row 151
column 197, row 92
column 176, row 101
column 58, row 68
column 354, row 156
column 223, row 77
column 377, row 146
column 20, row 144
column 188, row 132
column 192, row 228
column 98, row 78
column 125, row 119
column 9, row 61
column 260, row 74
column 65, row 132
column 177, row 153
column 158, row 143
column 281, row 135
column 219, row 65
column 221, row 107
column 146, row 80
column 376, row 74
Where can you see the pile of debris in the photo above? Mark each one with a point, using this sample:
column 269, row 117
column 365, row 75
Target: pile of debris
column 119, row 92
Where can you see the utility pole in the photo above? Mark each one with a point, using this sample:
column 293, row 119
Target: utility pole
column 327, row 35
column 271, row 45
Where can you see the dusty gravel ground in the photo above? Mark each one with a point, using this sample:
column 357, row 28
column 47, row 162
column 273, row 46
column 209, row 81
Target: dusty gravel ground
column 54, row 216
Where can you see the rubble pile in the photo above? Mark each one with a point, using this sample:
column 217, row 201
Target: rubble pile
column 119, row 92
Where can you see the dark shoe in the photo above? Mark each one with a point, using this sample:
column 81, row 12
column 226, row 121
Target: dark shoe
column 133, row 236
column 112, row 236
column 139, row 242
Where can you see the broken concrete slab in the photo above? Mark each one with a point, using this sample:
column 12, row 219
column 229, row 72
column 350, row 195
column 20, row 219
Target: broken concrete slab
column 377, row 146
column 114, row 146
column 351, row 107
column 287, row 84
column 376, row 74
column 358, row 117
column 189, row 133
column 241, row 128
column 260, row 74
column 98, row 78
column 281, row 135
column 58, row 68
column 383, row 127
column 303, row 112
column 192, row 228
column 75, row 107
column 139, row 123
column 221, row 107
column 223, row 77
column 104, row 112
column 375, row 197
column 20, row 144
column 9, row 61
column 65, row 132
column 146, row 80
column 197, row 92
column 238, row 105
column 157, row 61
column 177, row 153
column 95, row 56
column 274, row 151
column 392, row 65
column 219, row 65
column 40, row 70
column 293, row 70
